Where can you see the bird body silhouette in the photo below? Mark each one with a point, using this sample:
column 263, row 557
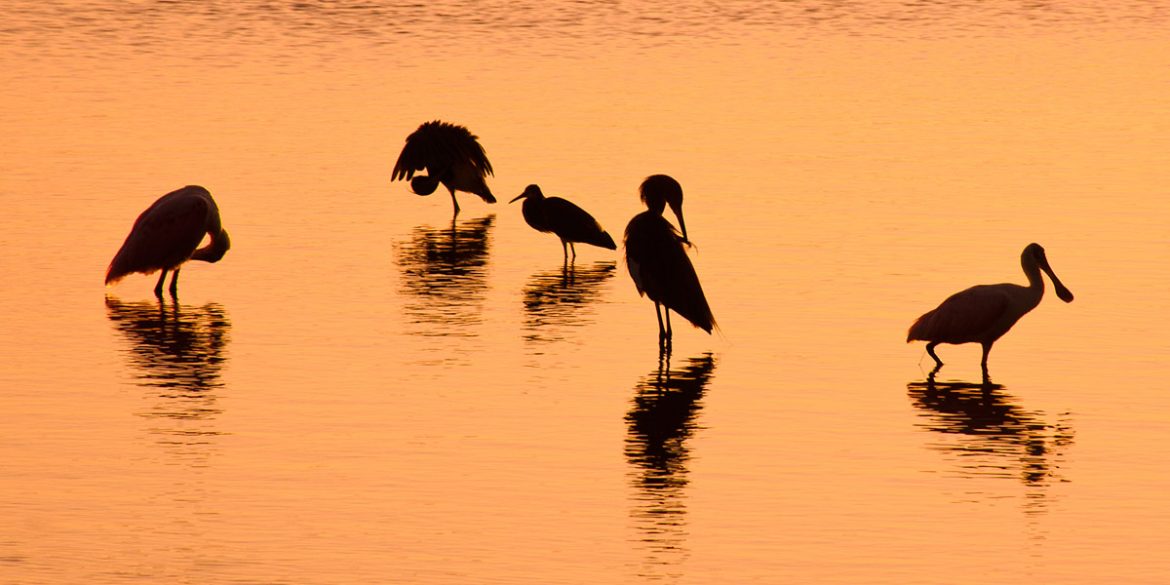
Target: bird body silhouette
column 658, row 263
column 451, row 155
column 982, row 314
column 561, row 217
column 168, row 233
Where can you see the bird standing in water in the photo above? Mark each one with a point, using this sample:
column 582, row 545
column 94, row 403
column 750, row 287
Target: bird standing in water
column 166, row 235
column 982, row 314
column 561, row 217
column 451, row 155
column 658, row 261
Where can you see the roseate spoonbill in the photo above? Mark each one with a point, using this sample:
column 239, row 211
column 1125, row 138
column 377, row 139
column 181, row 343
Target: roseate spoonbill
column 451, row 155
column 982, row 314
column 561, row 217
column 166, row 235
column 659, row 264
column 659, row 189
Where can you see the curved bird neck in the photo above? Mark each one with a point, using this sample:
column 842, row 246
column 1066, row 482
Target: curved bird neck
column 1032, row 271
column 215, row 249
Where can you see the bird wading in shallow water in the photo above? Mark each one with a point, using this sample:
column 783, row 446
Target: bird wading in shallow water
column 451, row 155
column 982, row 314
column 658, row 261
column 559, row 216
column 166, row 235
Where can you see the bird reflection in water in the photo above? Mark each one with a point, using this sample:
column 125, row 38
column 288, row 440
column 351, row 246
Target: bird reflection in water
column 558, row 300
column 992, row 436
column 177, row 352
column 660, row 422
column 444, row 278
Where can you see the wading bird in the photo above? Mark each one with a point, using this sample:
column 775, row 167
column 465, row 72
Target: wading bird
column 982, row 314
column 451, row 155
column 658, row 261
column 166, row 235
column 561, row 217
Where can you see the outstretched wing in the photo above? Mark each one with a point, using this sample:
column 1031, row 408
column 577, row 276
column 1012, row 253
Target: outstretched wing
column 438, row 146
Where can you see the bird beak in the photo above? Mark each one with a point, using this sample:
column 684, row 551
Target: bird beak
column 1061, row 291
column 682, row 224
column 519, row 197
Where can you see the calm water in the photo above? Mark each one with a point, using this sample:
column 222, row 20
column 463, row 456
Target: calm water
column 365, row 391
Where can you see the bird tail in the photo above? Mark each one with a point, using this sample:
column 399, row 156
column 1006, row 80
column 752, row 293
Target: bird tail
column 921, row 329
column 123, row 265
column 603, row 240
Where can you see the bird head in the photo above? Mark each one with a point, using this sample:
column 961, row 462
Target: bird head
column 531, row 191
column 424, row 185
column 658, row 191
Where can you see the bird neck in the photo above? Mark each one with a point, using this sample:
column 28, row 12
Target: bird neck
column 215, row 249
column 1032, row 271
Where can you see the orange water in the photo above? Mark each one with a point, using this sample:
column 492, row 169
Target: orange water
column 363, row 391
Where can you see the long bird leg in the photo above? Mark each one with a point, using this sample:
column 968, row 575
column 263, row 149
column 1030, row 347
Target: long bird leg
column 158, row 287
column 669, row 333
column 986, row 350
column 175, row 283
column 565, row 249
column 456, row 203
column 930, row 350
column 574, row 249
column 661, row 330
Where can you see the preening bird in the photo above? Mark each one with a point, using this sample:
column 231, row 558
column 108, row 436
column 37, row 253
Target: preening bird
column 570, row 223
column 659, row 190
column 451, row 155
column 658, row 261
column 982, row 314
column 166, row 235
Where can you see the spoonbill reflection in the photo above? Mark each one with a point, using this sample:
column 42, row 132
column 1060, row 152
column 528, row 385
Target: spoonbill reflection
column 166, row 235
column 451, row 155
column 659, row 264
column 982, row 314
column 561, row 217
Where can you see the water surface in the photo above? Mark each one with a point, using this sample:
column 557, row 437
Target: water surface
column 366, row 390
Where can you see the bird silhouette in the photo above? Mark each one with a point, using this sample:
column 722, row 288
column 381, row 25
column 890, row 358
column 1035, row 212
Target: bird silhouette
column 982, row 314
column 570, row 223
column 658, row 261
column 451, row 155
column 166, row 235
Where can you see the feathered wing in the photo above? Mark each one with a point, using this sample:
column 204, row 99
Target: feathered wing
column 571, row 223
column 438, row 146
column 165, row 235
column 661, row 269
column 965, row 316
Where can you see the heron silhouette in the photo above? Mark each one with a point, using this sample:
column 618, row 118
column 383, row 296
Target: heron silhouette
column 658, row 261
column 167, row 234
column 451, row 155
column 559, row 216
column 984, row 313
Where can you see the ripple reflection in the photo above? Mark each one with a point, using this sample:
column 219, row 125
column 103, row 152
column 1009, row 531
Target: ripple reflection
column 444, row 279
column 991, row 435
column 177, row 352
column 558, row 300
column 662, row 419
